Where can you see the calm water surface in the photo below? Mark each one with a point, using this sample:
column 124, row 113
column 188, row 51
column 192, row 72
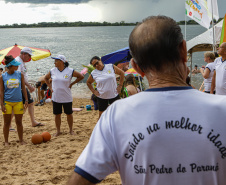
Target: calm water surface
column 79, row 45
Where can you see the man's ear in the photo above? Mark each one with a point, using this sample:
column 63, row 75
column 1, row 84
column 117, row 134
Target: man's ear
column 137, row 68
column 183, row 51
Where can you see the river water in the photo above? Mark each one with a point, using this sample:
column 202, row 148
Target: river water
column 79, row 45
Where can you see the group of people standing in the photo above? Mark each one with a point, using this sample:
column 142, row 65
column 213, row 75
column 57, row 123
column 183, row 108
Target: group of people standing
column 14, row 97
column 169, row 134
column 214, row 72
column 58, row 80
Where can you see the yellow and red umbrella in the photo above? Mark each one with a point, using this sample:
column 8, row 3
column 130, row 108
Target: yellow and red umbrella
column 38, row 53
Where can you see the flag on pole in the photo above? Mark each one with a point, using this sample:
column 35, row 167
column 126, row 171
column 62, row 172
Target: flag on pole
column 212, row 6
column 198, row 11
column 201, row 11
column 223, row 31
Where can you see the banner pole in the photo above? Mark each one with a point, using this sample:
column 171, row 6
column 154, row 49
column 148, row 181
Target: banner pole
column 213, row 27
column 185, row 28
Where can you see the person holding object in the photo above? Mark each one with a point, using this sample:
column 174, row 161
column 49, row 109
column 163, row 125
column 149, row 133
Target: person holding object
column 107, row 90
column 25, row 56
column 11, row 83
column 169, row 134
column 60, row 87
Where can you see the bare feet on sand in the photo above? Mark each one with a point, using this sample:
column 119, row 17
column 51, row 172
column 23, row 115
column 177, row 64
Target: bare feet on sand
column 72, row 133
column 23, row 143
column 57, row 134
column 6, row 144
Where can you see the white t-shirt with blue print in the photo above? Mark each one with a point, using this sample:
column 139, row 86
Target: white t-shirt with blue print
column 172, row 136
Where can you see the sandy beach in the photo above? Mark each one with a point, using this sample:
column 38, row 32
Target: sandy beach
column 51, row 162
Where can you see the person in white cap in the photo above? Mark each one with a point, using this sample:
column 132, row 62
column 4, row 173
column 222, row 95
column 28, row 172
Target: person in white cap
column 60, row 87
column 25, row 56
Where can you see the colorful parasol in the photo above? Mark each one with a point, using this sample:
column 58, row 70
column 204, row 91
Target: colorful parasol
column 131, row 71
column 38, row 53
column 135, row 74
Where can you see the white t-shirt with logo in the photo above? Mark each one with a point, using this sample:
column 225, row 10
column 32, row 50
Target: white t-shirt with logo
column 60, row 84
column 106, row 82
column 220, row 77
column 208, row 81
column 173, row 136
column 217, row 62
column 22, row 68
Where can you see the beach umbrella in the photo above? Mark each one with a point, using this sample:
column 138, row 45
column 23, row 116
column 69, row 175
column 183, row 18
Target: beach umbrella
column 38, row 53
column 116, row 57
column 132, row 71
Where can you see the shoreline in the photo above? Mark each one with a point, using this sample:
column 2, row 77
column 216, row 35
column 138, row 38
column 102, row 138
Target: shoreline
column 51, row 162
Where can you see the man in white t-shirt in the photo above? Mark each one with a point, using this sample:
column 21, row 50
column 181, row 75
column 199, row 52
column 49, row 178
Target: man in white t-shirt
column 219, row 76
column 208, row 71
column 169, row 134
column 25, row 56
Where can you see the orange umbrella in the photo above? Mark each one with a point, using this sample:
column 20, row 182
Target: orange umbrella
column 15, row 51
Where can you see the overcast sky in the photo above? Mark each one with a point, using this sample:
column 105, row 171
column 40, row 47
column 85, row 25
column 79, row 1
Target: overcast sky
column 35, row 11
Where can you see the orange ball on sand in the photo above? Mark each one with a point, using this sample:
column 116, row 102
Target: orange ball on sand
column 46, row 136
column 37, row 139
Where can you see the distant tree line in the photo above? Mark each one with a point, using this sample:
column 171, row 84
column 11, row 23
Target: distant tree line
column 67, row 24
column 83, row 24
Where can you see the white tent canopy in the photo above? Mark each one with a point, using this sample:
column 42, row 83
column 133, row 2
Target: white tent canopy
column 204, row 41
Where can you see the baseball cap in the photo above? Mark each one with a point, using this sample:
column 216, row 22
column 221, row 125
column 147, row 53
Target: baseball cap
column 27, row 50
column 13, row 63
column 60, row 57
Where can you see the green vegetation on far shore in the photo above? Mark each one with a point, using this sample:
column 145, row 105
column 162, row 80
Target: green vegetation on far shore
column 82, row 24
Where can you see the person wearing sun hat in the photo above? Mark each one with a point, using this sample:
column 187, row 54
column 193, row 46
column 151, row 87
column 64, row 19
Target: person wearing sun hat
column 60, row 87
column 25, row 56
column 11, row 83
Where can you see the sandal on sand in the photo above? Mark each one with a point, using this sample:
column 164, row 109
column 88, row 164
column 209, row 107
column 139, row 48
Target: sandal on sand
column 38, row 125
column 12, row 130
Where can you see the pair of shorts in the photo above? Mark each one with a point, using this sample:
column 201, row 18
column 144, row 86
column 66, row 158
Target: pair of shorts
column 38, row 84
column 16, row 107
column 44, row 87
column 57, row 108
column 30, row 100
column 103, row 103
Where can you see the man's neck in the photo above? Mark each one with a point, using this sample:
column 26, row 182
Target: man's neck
column 223, row 58
column 165, row 81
